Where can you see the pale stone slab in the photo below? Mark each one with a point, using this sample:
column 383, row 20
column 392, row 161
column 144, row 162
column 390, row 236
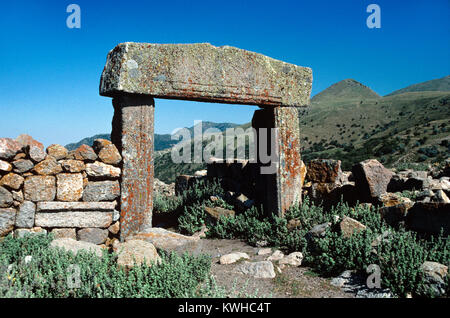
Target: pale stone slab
column 54, row 206
column 74, row 219
column 204, row 72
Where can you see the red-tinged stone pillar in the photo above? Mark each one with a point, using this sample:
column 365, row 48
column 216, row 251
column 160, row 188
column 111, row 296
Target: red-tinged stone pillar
column 279, row 182
column 132, row 132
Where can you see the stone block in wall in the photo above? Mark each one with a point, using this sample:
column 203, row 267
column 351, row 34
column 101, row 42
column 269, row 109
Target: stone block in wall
column 102, row 170
column 74, row 219
column 57, row 151
column 25, row 215
column 72, row 165
column 19, row 233
column 48, row 167
column 64, row 233
column 6, row 198
column 35, row 153
column 69, row 186
column 40, row 188
column 54, row 206
column 101, row 191
column 84, row 153
column 5, row 166
column 7, row 220
column 9, row 148
column 93, row 235
column 12, row 181
column 110, row 155
column 22, row 165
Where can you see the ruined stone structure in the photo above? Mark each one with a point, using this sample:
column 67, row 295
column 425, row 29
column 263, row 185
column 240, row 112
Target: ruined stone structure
column 135, row 73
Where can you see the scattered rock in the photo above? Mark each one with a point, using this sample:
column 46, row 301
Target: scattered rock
column 137, row 252
column 93, row 235
column 25, row 215
column 264, row 251
column 57, row 151
column 75, row 247
column 441, row 197
column 263, row 269
column 371, row 178
column 217, row 212
column 276, row 256
column 324, row 171
column 293, row 259
column 232, row 258
column 167, row 240
column 434, row 276
column 39, row 188
column 348, row 226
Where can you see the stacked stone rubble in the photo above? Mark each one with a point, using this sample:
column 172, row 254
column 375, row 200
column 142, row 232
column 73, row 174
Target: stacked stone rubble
column 71, row 194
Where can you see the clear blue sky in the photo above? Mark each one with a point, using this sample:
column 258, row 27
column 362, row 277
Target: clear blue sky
column 49, row 74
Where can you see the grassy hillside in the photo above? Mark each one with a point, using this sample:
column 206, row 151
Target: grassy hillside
column 440, row 84
column 344, row 90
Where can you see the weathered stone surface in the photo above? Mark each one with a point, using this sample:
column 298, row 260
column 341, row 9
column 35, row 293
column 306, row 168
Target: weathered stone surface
column 136, row 144
column 324, row 170
column 39, row 188
column 22, row 165
column 114, row 228
column 93, row 235
column 217, row 212
column 348, row 226
column 6, row 198
column 434, row 276
column 102, row 170
column 9, row 148
column 165, row 239
column 84, row 152
column 101, row 191
column 57, row 151
column 440, row 196
column 7, row 220
column 19, row 233
column 75, row 247
column 276, row 256
column 319, row 230
column 264, row 251
column 395, row 214
column 371, row 178
column 429, row 217
column 206, row 73
column 232, row 258
column 279, row 182
column 110, row 155
column 17, row 195
column 74, row 219
column 27, row 140
column 293, row 259
column 99, row 144
column 48, row 167
column 64, row 233
column 75, row 206
column 72, row 165
column 25, row 215
column 12, row 181
column 35, row 153
column 263, row 269
column 69, row 186
column 136, row 252
column 5, row 166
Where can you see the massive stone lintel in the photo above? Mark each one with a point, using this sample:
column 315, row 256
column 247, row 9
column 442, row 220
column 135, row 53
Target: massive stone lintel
column 278, row 191
column 203, row 72
column 133, row 124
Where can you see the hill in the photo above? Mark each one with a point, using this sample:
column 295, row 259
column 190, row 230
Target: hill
column 345, row 89
column 440, row 84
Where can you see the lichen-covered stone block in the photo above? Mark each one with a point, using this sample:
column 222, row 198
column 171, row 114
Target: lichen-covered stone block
column 69, row 186
column 204, row 72
column 39, row 188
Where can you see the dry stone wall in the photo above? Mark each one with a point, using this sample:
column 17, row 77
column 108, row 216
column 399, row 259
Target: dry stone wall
column 72, row 194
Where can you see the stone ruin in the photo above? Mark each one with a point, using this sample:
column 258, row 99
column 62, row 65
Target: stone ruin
column 136, row 73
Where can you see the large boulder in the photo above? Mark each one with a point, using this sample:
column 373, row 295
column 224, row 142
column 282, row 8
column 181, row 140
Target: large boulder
column 435, row 275
column 371, row 179
column 324, row 171
column 429, row 217
column 136, row 252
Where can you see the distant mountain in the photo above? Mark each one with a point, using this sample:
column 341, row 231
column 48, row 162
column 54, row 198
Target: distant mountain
column 162, row 141
column 345, row 89
column 440, row 84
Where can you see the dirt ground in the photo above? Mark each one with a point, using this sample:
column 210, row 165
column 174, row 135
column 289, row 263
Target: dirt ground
column 292, row 282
